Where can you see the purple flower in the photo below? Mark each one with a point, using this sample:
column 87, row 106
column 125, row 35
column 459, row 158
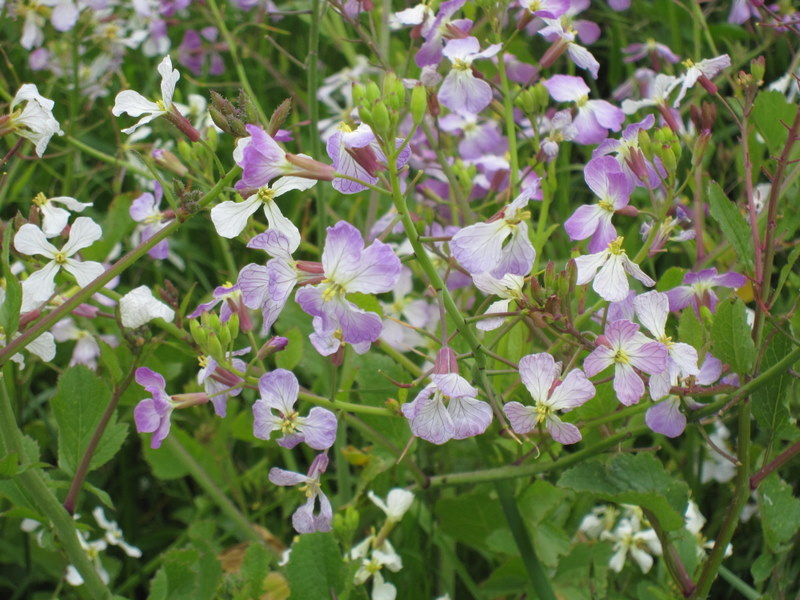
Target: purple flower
column 637, row 169
column 349, row 267
column 540, row 374
column 146, row 210
column 463, row 416
column 605, row 178
column 231, row 298
column 152, row 415
column 666, row 417
column 275, row 412
column 550, row 9
column 219, row 383
column 697, row 289
column 433, row 30
column 358, row 154
column 651, row 47
column 610, row 281
column 483, row 248
column 263, row 160
column 624, row 347
column 193, row 53
column 461, row 91
column 304, row 520
column 594, row 118
column 652, row 309
column 565, row 40
column 268, row 287
column 477, row 139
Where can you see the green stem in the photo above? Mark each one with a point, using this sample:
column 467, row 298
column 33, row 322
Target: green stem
column 511, row 128
column 33, row 482
column 536, row 574
column 107, row 158
column 240, row 70
column 45, row 323
column 739, row 585
column 347, row 406
column 528, row 470
column 313, row 111
column 240, row 521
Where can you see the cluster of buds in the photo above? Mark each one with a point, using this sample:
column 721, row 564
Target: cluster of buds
column 533, row 100
column 230, row 117
column 213, row 336
column 380, row 108
column 555, row 296
column 664, row 146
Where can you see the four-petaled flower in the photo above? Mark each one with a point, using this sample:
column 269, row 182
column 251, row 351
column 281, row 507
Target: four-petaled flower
column 40, row 285
column 304, row 520
column 540, row 374
column 275, row 411
column 134, row 104
column 348, row 267
column 610, row 282
column 461, row 91
column 626, row 348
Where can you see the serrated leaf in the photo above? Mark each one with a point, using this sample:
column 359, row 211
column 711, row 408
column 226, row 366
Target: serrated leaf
column 769, row 401
column 769, row 109
column 638, row 479
column 780, row 512
column 78, row 405
column 730, row 336
column 255, row 568
column 186, row 574
column 315, row 568
column 732, row 223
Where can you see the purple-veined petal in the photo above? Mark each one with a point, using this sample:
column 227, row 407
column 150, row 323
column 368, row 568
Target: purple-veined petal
column 650, row 358
column 575, row 390
column 538, row 371
column 253, row 282
column 522, row 418
column 563, row 433
column 627, row 384
column 470, row 416
column 584, row 221
column 279, row 389
column 600, row 359
column 652, row 309
column 666, row 417
column 319, row 428
column 479, row 247
column 285, row 478
column 611, row 283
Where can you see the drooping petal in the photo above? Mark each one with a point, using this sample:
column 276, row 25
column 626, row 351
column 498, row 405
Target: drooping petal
column 470, row 416
column 230, row 218
column 39, row 286
column 627, row 384
column 563, row 433
column 134, row 104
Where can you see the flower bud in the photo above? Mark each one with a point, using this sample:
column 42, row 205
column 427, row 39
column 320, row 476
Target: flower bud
column 170, row 162
column 273, row 345
column 372, row 92
column 199, row 334
column 757, row 67
column 279, row 116
column 419, row 102
column 214, row 347
column 381, row 123
column 445, row 361
column 358, row 94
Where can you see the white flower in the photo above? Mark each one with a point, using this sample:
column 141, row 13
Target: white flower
column 39, row 286
column 93, row 550
column 608, row 269
column 35, row 121
column 629, row 538
column 139, row 306
column 43, row 346
column 384, row 556
column 114, row 534
column 54, row 219
column 230, row 217
column 397, row 503
column 134, row 104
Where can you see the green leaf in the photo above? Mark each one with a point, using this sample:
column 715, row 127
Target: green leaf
column 186, row 574
column 672, row 277
column 691, row 330
column 290, row 357
column 315, row 568
column 732, row 223
column 769, row 401
column 730, row 336
column 780, row 512
column 80, row 400
column 470, row 518
column 638, row 479
column 786, row 270
column 255, row 567
column 769, row 109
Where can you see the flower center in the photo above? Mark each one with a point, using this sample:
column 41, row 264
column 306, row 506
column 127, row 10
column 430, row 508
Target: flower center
column 289, row 423
column 60, row 258
column 607, row 205
column 542, row 412
column 310, row 488
column 615, row 247
column 620, row 356
column 332, row 290
column 461, row 65
column 266, row 195
column 40, row 199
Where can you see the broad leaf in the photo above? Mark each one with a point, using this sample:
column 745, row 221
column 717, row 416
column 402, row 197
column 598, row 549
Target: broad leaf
column 315, row 568
column 732, row 223
column 730, row 336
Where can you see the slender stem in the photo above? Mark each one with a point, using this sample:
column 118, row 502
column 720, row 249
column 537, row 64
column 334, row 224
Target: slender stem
column 107, row 158
column 511, row 128
column 33, row 482
column 774, row 464
column 750, row 197
column 240, row 521
column 675, row 565
column 240, row 70
column 83, row 467
column 313, row 110
column 347, row 406
column 527, row 470
column 45, row 323
column 740, row 586
column 740, row 495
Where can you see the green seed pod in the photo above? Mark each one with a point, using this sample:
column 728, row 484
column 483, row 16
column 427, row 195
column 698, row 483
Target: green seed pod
column 419, row 103
column 381, row 123
column 199, row 335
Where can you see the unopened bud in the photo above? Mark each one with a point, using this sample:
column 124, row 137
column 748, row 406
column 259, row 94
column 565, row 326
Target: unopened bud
column 445, row 361
column 419, row 102
column 372, row 92
column 381, row 123
column 279, row 116
column 214, row 347
column 628, row 211
column 199, row 334
column 757, row 68
column 358, row 94
column 167, row 160
column 550, row 276
column 273, row 345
